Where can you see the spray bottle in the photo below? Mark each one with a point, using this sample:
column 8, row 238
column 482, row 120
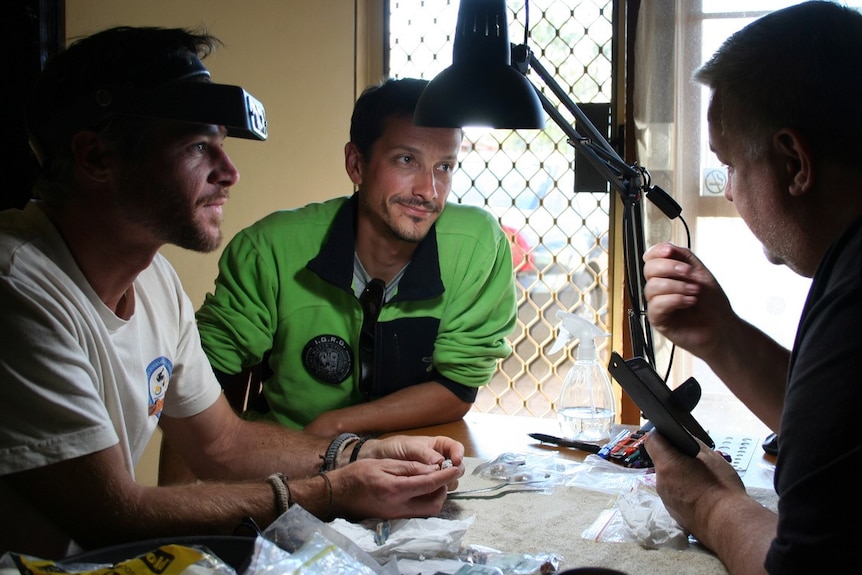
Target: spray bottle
column 586, row 407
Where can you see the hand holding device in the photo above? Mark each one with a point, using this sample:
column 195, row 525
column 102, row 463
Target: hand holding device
column 668, row 410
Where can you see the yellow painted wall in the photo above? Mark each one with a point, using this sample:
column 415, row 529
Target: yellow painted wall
column 299, row 58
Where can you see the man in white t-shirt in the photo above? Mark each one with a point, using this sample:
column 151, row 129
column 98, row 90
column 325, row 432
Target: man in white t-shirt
column 99, row 342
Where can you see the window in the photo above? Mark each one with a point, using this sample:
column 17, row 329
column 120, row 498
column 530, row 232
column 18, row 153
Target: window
column 560, row 237
column 674, row 37
column 526, row 178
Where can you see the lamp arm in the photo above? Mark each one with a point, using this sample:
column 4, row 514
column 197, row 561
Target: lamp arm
column 628, row 181
column 618, row 176
column 594, row 141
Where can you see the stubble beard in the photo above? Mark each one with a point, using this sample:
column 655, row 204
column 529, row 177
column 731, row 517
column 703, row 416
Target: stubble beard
column 416, row 229
column 198, row 230
column 168, row 216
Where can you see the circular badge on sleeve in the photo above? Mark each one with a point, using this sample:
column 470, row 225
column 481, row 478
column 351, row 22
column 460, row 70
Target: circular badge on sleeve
column 328, row 358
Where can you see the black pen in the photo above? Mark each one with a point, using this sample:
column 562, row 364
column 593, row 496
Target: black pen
column 588, row 447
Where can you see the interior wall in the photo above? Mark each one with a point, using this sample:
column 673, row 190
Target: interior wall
column 298, row 58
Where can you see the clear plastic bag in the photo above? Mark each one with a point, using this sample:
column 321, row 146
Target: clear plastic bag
column 638, row 515
column 317, row 556
column 548, row 471
column 297, row 527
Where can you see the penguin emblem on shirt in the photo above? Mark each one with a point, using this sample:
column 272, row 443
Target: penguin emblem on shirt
column 158, row 377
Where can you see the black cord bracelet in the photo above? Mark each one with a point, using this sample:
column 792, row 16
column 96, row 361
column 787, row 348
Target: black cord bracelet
column 354, row 455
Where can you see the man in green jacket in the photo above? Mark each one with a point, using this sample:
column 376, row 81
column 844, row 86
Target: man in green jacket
column 288, row 300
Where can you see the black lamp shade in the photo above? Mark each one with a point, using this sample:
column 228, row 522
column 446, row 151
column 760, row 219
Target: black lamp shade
column 480, row 88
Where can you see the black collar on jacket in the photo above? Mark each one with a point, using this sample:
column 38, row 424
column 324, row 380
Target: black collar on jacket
column 334, row 263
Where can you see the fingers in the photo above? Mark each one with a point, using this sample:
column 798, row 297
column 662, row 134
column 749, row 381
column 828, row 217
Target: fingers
column 669, row 275
column 435, row 450
column 420, row 488
column 657, row 446
column 427, row 492
column 428, row 475
column 655, row 441
column 429, row 450
column 418, row 480
column 390, row 488
column 670, row 251
column 449, row 449
column 664, row 454
column 663, row 250
column 676, row 292
column 674, row 265
column 427, row 505
column 670, row 281
column 672, row 262
column 406, row 476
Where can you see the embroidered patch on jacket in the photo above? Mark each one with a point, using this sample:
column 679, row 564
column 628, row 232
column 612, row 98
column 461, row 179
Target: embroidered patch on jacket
column 328, row 358
column 158, row 377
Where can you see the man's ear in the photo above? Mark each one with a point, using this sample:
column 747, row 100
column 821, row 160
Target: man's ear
column 795, row 156
column 92, row 156
column 353, row 163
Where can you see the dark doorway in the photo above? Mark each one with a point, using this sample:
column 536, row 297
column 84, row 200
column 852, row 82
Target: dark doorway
column 33, row 30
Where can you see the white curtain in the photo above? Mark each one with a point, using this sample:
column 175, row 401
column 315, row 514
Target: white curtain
column 658, row 100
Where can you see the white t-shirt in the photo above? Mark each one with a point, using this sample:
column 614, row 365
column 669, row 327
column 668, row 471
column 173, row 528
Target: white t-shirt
column 75, row 378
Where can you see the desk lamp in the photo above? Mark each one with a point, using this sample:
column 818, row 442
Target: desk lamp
column 486, row 85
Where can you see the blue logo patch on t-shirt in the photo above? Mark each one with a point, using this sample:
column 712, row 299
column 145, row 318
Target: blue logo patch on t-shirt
column 158, row 377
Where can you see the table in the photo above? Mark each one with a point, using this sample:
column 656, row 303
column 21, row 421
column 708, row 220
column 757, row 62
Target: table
column 553, row 522
column 486, row 435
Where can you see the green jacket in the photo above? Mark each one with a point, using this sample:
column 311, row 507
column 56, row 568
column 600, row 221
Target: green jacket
column 284, row 296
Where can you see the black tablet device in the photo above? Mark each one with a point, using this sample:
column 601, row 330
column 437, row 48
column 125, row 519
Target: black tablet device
column 655, row 399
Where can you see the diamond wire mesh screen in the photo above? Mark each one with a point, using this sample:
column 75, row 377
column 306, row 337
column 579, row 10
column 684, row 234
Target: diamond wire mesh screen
column 526, row 178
